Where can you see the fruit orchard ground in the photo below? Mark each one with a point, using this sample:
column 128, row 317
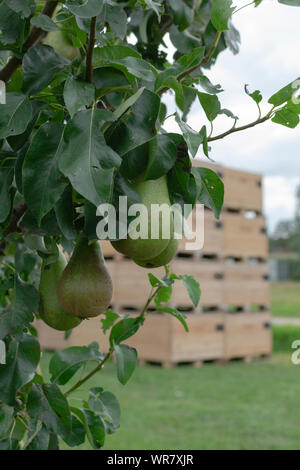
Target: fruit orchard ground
column 239, row 406
column 285, row 299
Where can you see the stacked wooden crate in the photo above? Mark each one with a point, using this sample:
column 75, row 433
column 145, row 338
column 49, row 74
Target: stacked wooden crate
column 232, row 320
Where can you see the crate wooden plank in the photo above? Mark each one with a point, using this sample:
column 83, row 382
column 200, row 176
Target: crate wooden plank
column 244, row 237
column 247, row 334
column 204, row 341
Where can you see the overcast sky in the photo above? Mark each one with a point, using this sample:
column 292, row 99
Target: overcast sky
column 268, row 60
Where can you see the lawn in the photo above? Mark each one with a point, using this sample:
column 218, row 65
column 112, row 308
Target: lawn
column 285, row 299
column 237, row 406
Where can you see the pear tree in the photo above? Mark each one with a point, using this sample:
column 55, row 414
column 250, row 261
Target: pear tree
column 82, row 123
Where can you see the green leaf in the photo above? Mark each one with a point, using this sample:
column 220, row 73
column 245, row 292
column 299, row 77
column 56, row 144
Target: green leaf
column 15, row 115
column 21, row 361
column 6, row 419
column 105, row 405
column 117, row 20
column 193, row 288
column 86, row 159
column 136, row 126
column 17, row 142
column 24, row 8
column 212, row 190
column 174, row 313
column 2, row 355
column 155, row 6
column 154, row 281
column 183, row 15
column 163, row 295
column 78, row 94
column 184, row 41
column 43, row 191
column 6, row 179
column 86, row 9
column 286, row 93
column 107, row 54
column 65, row 214
column 256, row 95
column 210, row 104
column 220, row 13
column 93, row 425
column 123, row 330
column 11, row 24
column 40, row 64
column 41, row 440
column 162, row 159
column 44, row 22
column 47, row 404
column 126, row 358
column 192, row 138
column 286, row 118
column 128, row 103
column 19, row 314
column 64, row 364
column 292, row 3
column 109, row 320
column 107, row 79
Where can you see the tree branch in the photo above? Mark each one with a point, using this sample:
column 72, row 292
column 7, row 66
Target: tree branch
column 238, row 129
column 90, row 51
column 204, row 61
column 33, row 38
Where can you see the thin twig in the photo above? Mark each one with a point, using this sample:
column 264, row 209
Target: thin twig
column 241, row 128
column 34, row 37
column 90, row 51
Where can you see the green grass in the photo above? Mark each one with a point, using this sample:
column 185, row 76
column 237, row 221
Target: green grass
column 237, row 406
column 284, row 336
column 285, row 299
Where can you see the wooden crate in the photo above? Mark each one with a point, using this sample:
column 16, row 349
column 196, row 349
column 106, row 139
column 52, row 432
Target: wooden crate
column 246, row 284
column 244, row 237
column 247, row 334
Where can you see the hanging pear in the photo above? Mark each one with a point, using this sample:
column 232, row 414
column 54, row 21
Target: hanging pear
column 151, row 192
column 162, row 259
column 85, row 287
column 50, row 309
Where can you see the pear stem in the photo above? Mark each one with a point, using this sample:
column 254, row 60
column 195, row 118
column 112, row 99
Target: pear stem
column 111, row 349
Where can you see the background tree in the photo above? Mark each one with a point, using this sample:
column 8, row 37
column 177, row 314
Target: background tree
column 83, row 118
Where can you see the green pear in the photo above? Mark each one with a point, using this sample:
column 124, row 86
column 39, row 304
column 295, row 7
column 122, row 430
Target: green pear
column 85, row 287
column 151, row 192
column 61, row 43
column 163, row 258
column 49, row 308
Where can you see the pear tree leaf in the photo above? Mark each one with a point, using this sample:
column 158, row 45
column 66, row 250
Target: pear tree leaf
column 292, row 3
column 6, row 194
column 64, row 364
column 174, row 313
column 286, row 117
column 211, row 191
column 210, row 104
column 221, row 12
column 136, row 126
column 117, row 20
column 106, row 406
column 193, row 288
column 162, row 159
column 44, row 22
column 255, row 95
column 40, row 64
column 86, row 9
column 163, row 295
column 78, row 94
column 286, row 93
column 86, row 159
column 42, row 193
column 109, row 320
column 192, row 138
column 183, row 15
column 123, row 330
column 126, row 358
column 93, row 426
column 19, row 314
column 22, row 358
column 15, row 115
